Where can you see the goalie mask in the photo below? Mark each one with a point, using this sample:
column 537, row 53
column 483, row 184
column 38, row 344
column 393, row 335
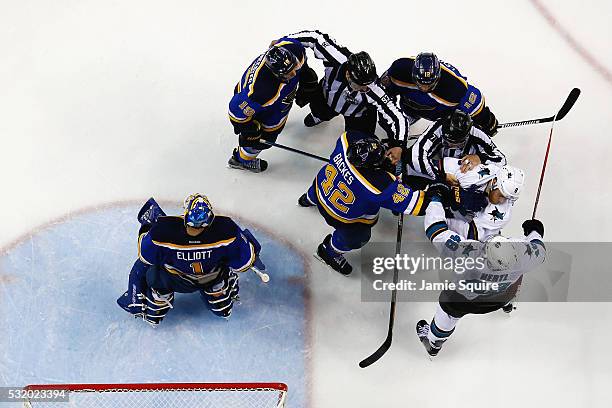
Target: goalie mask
column 198, row 211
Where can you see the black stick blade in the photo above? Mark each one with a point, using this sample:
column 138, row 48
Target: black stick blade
column 569, row 102
column 368, row 361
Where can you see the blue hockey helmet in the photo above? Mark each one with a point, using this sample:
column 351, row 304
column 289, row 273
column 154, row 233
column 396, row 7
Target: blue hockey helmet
column 283, row 57
column 426, row 70
column 198, row 211
column 368, row 152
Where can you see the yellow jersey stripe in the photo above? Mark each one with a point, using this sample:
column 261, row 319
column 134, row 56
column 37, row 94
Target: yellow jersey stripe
column 402, row 83
column 250, row 262
column 480, row 106
column 139, row 253
column 275, row 97
column 217, row 244
column 419, row 204
column 251, row 90
column 442, row 100
column 235, row 119
column 276, row 127
column 463, row 81
column 333, row 214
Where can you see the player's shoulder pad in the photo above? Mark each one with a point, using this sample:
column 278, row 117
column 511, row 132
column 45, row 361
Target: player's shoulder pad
column 265, row 86
column 401, row 71
column 452, row 86
column 168, row 228
column 378, row 178
column 225, row 226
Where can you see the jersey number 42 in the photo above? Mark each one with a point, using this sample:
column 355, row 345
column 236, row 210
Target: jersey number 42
column 340, row 196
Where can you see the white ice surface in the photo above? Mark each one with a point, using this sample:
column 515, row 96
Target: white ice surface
column 107, row 101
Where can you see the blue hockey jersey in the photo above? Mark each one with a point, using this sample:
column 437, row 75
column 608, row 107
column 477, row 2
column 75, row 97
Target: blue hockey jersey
column 451, row 92
column 196, row 259
column 261, row 93
column 352, row 195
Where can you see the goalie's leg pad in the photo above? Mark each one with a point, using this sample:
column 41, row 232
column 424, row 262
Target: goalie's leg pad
column 158, row 303
column 220, row 296
column 132, row 299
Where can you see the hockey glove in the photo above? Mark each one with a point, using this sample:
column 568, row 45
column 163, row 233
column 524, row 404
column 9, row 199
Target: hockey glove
column 308, row 86
column 250, row 134
column 533, row 225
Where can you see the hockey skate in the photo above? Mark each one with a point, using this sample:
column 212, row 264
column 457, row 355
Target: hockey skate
column 254, row 166
column 310, row 120
column 422, row 330
column 338, row 263
column 303, row 201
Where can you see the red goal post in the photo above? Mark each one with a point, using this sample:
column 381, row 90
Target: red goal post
column 154, row 395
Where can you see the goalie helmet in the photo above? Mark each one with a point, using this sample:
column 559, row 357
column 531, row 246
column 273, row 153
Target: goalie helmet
column 456, row 129
column 368, row 152
column 198, row 211
column 426, row 70
column 361, row 68
column 510, row 181
column 501, row 253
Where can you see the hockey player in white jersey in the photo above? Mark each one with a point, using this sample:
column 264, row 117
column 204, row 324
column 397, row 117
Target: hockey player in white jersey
column 506, row 260
column 502, row 186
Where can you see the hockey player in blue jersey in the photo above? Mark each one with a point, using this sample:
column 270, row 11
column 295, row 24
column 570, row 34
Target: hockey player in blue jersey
column 349, row 192
column 429, row 88
column 196, row 252
column 263, row 98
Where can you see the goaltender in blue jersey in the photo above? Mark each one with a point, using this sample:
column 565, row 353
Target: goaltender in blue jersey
column 350, row 190
column 196, row 252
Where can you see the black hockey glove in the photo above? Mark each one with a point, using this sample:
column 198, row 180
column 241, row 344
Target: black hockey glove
column 438, row 191
column 486, row 121
column 308, row 86
column 467, row 201
column 250, row 134
column 533, row 225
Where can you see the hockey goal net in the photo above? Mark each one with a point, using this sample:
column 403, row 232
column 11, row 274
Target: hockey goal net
column 169, row 395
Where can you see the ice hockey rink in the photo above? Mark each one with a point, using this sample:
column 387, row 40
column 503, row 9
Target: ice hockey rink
column 106, row 103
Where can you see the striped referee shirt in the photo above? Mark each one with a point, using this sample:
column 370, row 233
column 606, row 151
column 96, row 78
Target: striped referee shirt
column 424, row 155
column 338, row 93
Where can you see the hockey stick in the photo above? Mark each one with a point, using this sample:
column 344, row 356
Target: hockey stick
column 384, row 347
column 291, row 149
column 374, row 357
column 265, row 278
column 567, row 105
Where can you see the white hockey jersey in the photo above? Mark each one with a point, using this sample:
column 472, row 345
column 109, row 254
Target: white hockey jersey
column 493, row 217
column 530, row 251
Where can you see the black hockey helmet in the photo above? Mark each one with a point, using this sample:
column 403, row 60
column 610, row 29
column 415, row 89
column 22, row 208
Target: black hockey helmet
column 456, row 128
column 280, row 60
column 361, row 68
column 368, row 152
column 426, row 70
